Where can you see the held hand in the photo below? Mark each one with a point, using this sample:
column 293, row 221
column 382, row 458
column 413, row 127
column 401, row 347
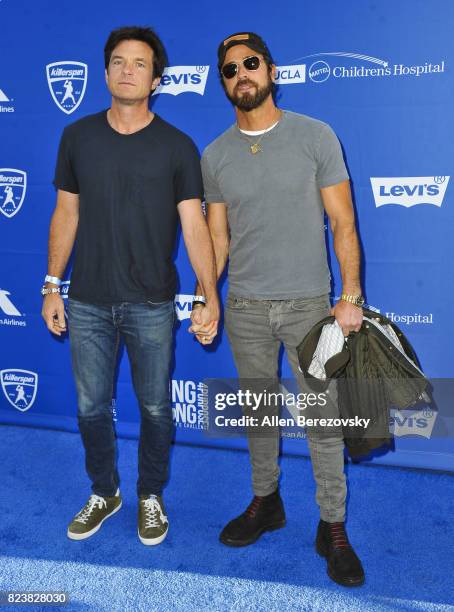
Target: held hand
column 205, row 321
column 348, row 316
column 53, row 313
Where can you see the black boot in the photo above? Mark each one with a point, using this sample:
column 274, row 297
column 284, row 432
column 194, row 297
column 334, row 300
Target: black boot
column 263, row 514
column 344, row 567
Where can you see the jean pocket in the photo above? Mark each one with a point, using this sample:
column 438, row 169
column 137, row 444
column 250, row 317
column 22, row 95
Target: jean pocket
column 236, row 303
column 320, row 302
column 157, row 304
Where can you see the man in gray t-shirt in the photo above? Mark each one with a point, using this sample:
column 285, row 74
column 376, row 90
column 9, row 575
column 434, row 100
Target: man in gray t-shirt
column 274, row 206
column 268, row 181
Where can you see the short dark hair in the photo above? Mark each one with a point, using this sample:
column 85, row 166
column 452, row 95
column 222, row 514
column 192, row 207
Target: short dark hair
column 146, row 35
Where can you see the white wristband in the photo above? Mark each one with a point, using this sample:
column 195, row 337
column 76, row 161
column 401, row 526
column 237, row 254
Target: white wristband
column 53, row 279
column 199, row 298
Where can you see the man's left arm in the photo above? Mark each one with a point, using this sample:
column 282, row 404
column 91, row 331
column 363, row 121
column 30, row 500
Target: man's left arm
column 201, row 255
column 338, row 204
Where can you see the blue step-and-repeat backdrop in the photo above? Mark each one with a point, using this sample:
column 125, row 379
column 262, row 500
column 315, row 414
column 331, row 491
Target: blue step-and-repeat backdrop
column 380, row 73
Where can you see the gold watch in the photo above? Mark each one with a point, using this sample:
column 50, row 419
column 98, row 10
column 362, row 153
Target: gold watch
column 356, row 300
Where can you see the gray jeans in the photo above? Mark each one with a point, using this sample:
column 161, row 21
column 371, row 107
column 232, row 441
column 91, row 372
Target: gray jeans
column 256, row 329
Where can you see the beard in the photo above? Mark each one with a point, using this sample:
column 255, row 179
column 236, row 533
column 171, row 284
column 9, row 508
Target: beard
column 249, row 101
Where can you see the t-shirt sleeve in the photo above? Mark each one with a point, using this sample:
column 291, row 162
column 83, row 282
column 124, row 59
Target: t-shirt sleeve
column 188, row 177
column 330, row 162
column 65, row 177
column 210, row 185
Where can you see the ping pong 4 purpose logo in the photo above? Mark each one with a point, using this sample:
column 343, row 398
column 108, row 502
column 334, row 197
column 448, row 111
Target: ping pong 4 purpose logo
column 20, row 388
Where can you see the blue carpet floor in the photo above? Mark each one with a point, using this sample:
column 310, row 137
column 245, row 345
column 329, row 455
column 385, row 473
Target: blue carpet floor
column 400, row 521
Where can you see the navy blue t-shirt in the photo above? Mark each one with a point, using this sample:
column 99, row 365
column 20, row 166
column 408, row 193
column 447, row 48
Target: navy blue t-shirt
column 129, row 187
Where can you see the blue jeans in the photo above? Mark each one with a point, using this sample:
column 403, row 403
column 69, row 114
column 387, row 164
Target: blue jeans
column 95, row 332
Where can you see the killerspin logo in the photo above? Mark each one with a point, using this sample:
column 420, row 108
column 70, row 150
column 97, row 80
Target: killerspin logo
column 409, row 191
column 19, row 387
column 67, row 84
column 13, row 186
column 183, row 79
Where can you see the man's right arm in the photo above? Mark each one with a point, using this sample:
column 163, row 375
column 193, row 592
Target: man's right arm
column 219, row 230
column 62, row 234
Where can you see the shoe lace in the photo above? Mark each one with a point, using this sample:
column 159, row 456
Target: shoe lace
column 339, row 538
column 93, row 502
column 251, row 510
column 153, row 509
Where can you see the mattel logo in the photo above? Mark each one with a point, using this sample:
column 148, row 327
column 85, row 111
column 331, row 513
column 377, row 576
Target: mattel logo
column 409, row 190
column 182, row 79
column 288, row 75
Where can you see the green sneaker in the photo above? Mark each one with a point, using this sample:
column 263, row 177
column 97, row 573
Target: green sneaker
column 153, row 522
column 92, row 516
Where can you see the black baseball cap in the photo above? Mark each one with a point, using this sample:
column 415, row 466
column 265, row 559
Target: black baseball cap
column 250, row 39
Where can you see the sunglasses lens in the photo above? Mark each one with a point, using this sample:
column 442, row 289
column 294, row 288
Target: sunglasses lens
column 229, row 71
column 252, row 63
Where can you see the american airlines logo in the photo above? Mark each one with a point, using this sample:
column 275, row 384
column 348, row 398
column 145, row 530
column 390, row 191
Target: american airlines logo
column 409, row 190
column 7, row 307
column 5, row 108
column 183, row 79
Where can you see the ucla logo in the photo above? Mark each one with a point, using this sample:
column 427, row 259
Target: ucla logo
column 13, row 184
column 67, row 83
column 287, row 75
column 19, row 387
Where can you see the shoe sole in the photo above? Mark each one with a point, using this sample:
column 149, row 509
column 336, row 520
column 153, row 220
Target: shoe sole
column 153, row 541
column 238, row 544
column 347, row 582
column 88, row 534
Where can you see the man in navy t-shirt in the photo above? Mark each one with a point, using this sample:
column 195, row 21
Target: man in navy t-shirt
column 125, row 177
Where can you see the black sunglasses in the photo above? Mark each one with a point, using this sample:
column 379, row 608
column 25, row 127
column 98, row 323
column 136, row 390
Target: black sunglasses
column 231, row 69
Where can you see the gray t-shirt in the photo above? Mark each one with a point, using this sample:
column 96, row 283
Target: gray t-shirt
column 274, row 206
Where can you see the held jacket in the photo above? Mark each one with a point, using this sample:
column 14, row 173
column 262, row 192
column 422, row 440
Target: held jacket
column 376, row 370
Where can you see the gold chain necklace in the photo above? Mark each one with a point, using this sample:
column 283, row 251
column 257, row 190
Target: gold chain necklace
column 255, row 146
